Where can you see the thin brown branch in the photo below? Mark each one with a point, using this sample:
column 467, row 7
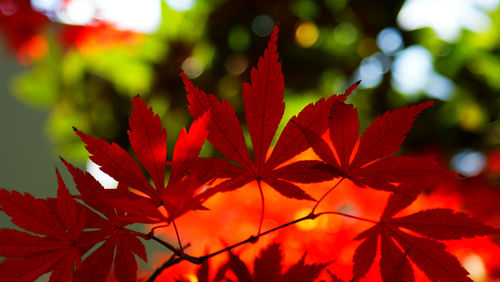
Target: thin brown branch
column 326, row 194
column 348, row 215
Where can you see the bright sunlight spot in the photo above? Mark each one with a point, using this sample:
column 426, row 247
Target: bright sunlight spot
column 45, row 5
column 78, row 12
column 411, row 70
column 413, row 73
column 192, row 278
column 447, row 17
column 475, row 266
column 306, row 224
column 106, row 181
column 180, row 5
column 143, row 16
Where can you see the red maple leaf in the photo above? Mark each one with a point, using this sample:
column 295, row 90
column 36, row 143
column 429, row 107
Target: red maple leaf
column 398, row 246
column 368, row 161
column 119, row 248
column 57, row 239
column 136, row 200
column 149, row 142
column 267, row 267
column 120, row 244
column 264, row 109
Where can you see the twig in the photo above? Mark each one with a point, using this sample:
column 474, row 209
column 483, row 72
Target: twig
column 199, row 260
column 348, row 215
column 150, row 236
column 324, row 195
column 181, row 251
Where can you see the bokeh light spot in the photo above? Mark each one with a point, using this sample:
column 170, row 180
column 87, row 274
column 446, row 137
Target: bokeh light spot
column 304, row 8
column 8, row 7
column 192, row 67
column 229, row 86
column 306, row 34
column 439, row 87
column 389, row 40
column 470, row 116
column 411, row 69
column 262, row 25
column 468, row 162
column 180, row 5
column 413, row 72
column 336, row 5
column 345, row 33
column 238, row 39
column 372, row 69
column 236, row 64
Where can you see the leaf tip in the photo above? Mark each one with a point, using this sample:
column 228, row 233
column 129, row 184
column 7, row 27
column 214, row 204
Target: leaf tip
column 351, row 89
column 184, row 77
column 275, row 32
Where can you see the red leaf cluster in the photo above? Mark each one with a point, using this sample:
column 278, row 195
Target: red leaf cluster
column 267, row 267
column 264, row 109
column 82, row 237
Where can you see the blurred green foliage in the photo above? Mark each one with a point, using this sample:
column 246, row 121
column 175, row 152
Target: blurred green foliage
column 323, row 47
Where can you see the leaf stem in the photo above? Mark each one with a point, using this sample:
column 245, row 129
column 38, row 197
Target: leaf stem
column 166, row 244
column 262, row 203
column 324, row 195
column 152, row 231
column 151, row 236
column 181, row 250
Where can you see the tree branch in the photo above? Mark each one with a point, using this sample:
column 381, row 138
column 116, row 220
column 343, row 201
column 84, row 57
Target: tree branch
column 176, row 257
